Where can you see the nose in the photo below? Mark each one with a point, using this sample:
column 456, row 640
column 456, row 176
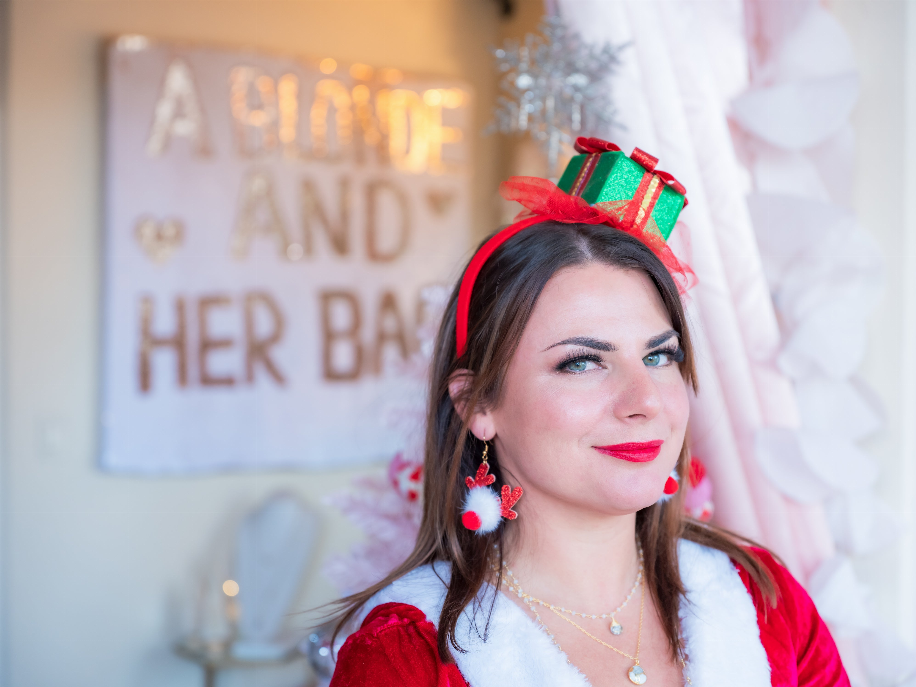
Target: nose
column 636, row 397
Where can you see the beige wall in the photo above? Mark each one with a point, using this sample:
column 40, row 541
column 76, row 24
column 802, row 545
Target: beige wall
column 93, row 562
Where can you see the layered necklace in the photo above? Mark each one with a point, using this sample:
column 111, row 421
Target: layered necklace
column 636, row 674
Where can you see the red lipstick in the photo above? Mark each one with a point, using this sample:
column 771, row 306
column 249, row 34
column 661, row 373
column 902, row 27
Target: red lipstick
column 636, row 452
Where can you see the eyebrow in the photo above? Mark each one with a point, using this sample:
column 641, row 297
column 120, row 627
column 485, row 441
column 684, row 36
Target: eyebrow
column 600, row 345
column 660, row 339
column 586, row 341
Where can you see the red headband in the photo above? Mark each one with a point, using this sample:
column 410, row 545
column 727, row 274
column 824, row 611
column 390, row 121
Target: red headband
column 544, row 201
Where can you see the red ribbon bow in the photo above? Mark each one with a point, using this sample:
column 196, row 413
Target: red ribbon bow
column 590, row 146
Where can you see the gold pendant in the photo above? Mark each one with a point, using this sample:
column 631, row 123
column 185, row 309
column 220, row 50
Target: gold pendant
column 616, row 628
column 637, row 675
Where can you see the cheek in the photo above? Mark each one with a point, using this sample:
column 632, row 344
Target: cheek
column 553, row 407
column 676, row 403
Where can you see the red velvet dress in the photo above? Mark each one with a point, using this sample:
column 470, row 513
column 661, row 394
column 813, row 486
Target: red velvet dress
column 396, row 645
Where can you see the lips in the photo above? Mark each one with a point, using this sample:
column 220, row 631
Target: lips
column 636, row 452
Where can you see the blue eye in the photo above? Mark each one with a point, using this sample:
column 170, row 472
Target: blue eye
column 578, row 363
column 664, row 357
column 656, row 359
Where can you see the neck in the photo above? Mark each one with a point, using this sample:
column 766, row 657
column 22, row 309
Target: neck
column 577, row 559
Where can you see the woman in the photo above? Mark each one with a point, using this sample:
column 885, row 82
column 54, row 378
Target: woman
column 562, row 369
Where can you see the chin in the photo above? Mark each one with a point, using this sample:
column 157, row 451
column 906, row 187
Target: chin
column 631, row 495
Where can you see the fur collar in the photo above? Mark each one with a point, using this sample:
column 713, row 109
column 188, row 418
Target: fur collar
column 718, row 619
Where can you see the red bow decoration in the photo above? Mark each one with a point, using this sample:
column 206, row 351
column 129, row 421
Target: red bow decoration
column 648, row 162
column 588, row 146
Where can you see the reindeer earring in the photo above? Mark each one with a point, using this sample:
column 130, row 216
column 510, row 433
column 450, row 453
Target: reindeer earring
column 672, row 484
column 483, row 509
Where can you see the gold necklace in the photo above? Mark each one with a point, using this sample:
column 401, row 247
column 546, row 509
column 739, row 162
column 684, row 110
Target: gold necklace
column 615, row 627
column 636, row 674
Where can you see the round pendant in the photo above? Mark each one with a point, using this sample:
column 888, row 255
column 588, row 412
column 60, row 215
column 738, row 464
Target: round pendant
column 637, row 675
column 616, row 628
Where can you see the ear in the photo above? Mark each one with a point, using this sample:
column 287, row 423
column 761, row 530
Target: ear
column 480, row 422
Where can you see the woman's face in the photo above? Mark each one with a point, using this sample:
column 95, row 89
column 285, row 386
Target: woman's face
column 594, row 408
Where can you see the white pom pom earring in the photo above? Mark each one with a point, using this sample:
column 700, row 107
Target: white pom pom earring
column 483, row 510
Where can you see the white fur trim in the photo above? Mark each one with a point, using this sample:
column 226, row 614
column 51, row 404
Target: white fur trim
column 511, row 652
column 718, row 619
column 486, row 504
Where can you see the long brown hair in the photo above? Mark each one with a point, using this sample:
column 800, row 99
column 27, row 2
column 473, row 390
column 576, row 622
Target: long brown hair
column 504, row 296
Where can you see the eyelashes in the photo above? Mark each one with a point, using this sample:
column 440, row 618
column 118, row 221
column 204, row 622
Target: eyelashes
column 583, row 355
column 674, row 353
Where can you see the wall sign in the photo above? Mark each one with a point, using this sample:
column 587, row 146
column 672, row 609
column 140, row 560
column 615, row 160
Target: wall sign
column 270, row 227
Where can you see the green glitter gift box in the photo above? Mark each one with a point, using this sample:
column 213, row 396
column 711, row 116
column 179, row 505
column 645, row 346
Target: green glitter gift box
column 629, row 187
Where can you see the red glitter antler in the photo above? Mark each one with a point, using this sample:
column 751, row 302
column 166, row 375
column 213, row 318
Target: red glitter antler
column 482, row 479
column 509, row 498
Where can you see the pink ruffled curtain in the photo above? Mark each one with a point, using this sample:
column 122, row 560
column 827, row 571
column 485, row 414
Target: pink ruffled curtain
column 747, row 103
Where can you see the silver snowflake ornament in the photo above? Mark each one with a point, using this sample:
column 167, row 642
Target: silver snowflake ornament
column 554, row 86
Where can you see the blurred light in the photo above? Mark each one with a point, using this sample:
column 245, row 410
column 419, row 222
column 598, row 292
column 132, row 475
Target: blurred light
column 328, row 65
column 133, row 43
column 230, row 587
column 294, row 252
column 453, row 98
column 361, row 92
column 363, row 72
column 433, row 97
column 392, row 76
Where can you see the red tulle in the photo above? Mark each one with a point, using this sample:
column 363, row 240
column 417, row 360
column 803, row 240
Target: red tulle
column 543, row 197
column 544, row 202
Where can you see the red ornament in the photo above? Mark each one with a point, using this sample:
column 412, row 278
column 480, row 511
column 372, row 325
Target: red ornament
column 671, row 486
column 696, row 472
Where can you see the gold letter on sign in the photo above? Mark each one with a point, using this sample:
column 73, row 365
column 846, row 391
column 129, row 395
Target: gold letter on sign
column 368, row 125
column 149, row 343
column 258, row 214
column 328, row 92
column 288, row 99
column 332, row 334
column 258, row 349
column 178, row 112
column 313, row 211
column 255, row 127
column 396, row 198
column 384, row 333
column 408, row 130
column 206, row 344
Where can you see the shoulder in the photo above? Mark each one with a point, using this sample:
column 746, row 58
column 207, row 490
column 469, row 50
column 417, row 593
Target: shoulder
column 395, row 646
column 397, row 641
column 797, row 641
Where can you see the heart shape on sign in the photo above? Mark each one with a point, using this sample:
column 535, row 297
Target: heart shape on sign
column 159, row 240
column 440, row 201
